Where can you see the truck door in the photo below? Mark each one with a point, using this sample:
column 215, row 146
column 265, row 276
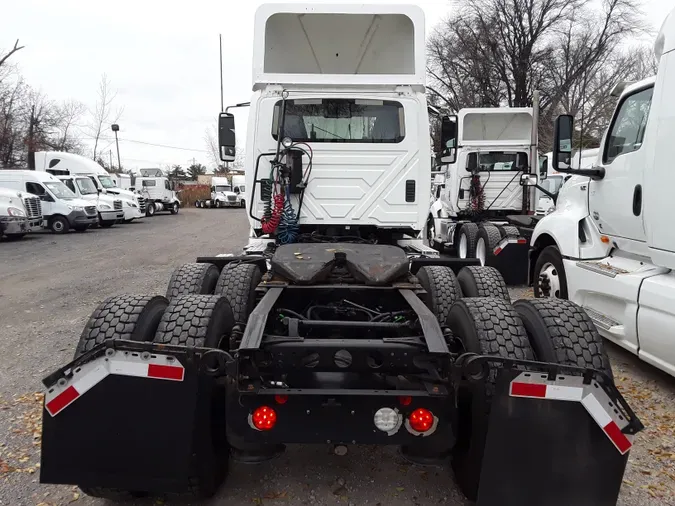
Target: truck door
column 616, row 201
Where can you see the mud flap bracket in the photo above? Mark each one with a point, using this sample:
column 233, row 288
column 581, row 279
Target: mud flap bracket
column 554, row 440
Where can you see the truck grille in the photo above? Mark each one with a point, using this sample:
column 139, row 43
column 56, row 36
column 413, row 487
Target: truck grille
column 33, row 206
column 90, row 210
column 142, row 203
column 232, row 198
column 118, row 205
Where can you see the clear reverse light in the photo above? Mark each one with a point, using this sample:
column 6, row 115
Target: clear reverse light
column 386, row 419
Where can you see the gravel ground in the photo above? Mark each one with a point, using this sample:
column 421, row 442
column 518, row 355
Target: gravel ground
column 50, row 284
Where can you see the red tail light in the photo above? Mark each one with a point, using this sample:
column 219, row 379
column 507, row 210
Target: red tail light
column 405, row 400
column 264, row 418
column 281, row 399
column 421, row 420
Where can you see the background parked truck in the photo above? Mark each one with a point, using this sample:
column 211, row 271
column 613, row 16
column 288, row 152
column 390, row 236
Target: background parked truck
column 20, row 213
column 70, row 164
column 610, row 244
column 61, row 208
column 482, row 208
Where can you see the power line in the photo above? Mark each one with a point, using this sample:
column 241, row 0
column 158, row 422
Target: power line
column 182, row 148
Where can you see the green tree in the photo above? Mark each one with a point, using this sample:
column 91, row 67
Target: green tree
column 196, row 169
column 177, row 172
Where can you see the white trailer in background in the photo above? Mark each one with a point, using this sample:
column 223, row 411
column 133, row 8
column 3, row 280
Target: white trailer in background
column 610, row 244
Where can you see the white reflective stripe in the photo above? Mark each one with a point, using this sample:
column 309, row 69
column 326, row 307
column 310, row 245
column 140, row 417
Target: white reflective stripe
column 596, row 410
column 562, row 393
column 501, row 245
column 88, row 380
column 129, row 368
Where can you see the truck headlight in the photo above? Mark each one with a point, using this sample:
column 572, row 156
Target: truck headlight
column 76, row 208
column 104, row 207
column 15, row 211
column 130, row 204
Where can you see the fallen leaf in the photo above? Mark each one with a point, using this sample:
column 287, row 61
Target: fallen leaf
column 400, row 489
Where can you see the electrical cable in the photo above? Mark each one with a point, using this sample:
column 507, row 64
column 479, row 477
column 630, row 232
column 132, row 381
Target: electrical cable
column 287, row 230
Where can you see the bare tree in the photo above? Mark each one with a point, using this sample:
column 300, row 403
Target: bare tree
column 41, row 117
column 69, row 114
column 211, row 141
column 103, row 114
column 5, row 57
column 498, row 52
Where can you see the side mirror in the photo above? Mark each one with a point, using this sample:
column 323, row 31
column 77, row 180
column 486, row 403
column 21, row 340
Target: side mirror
column 528, row 180
column 448, row 152
column 227, row 139
column 562, row 142
column 472, row 162
column 45, row 197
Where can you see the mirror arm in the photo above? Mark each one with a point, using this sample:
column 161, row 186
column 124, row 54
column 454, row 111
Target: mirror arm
column 597, row 173
column 552, row 196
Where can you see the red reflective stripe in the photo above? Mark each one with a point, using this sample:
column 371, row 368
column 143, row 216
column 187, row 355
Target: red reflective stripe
column 528, row 390
column 62, row 400
column 618, row 438
column 498, row 251
column 522, row 241
column 165, row 372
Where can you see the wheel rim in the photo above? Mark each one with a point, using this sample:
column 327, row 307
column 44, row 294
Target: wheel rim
column 481, row 251
column 175, row 207
column 549, row 281
column 58, row 226
column 463, row 246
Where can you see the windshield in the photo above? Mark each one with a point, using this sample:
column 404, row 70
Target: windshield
column 86, row 186
column 502, row 160
column 552, row 184
column 60, row 190
column 341, row 120
column 106, row 181
column 221, row 188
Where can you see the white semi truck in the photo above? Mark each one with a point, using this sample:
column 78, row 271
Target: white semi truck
column 20, row 213
column 223, row 194
column 69, row 164
column 482, row 208
column 331, row 328
column 610, row 244
column 157, row 191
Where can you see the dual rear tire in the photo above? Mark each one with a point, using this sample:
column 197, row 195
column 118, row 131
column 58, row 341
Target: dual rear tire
column 481, row 319
column 190, row 315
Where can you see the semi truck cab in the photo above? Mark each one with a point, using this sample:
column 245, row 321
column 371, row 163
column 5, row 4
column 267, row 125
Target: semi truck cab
column 609, row 245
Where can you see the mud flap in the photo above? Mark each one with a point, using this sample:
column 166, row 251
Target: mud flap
column 553, row 443
column 511, row 259
column 123, row 420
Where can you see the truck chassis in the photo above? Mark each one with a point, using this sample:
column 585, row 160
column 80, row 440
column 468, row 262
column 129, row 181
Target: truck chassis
column 337, row 344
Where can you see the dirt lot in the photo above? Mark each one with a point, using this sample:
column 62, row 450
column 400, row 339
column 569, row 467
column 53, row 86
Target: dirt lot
column 50, row 284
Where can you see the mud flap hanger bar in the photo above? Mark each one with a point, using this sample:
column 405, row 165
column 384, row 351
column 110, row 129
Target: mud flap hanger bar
column 558, row 382
column 208, row 361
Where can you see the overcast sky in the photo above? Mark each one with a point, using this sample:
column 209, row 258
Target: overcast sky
column 162, row 60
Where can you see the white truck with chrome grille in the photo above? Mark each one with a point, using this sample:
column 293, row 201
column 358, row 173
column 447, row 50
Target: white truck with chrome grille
column 20, row 213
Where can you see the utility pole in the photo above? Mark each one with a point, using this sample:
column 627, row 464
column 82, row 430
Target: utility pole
column 222, row 105
column 110, row 153
column 116, row 128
